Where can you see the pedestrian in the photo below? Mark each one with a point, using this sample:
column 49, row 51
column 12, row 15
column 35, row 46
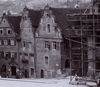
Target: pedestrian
column 76, row 77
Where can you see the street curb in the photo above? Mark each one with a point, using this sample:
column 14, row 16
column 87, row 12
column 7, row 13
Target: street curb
column 26, row 80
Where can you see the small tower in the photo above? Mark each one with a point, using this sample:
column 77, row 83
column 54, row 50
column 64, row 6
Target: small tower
column 96, row 5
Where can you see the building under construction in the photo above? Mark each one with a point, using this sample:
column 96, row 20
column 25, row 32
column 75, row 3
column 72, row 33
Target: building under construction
column 83, row 40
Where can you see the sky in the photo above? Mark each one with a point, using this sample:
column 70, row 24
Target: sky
column 38, row 0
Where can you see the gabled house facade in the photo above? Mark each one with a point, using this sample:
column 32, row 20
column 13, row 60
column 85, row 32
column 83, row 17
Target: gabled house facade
column 27, row 45
column 9, row 46
column 48, row 40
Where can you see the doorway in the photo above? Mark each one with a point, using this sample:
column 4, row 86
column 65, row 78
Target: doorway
column 3, row 71
column 26, row 73
column 13, row 70
column 42, row 73
column 67, row 64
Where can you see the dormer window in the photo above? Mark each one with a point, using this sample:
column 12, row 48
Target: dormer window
column 48, row 26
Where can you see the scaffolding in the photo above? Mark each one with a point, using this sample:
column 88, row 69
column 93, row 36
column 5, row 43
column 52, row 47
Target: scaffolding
column 84, row 43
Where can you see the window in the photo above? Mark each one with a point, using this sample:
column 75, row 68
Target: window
column 5, row 42
column 25, row 17
column 99, row 8
column 8, row 42
column 12, row 42
column 55, row 45
column 46, row 60
column 32, row 55
column 47, row 45
column 48, row 15
column 25, row 54
column 1, row 31
column 30, row 45
column 48, row 25
column 55, row 28
column 14, row 55
column 1, row 54
column 0, row 42
column 9, row 31
column 4, row 21
column 8, row 55
column 24, row 44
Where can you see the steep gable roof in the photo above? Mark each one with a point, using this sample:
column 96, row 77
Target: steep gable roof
column 60, row 15
column 35, row 17
column 14, row 21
